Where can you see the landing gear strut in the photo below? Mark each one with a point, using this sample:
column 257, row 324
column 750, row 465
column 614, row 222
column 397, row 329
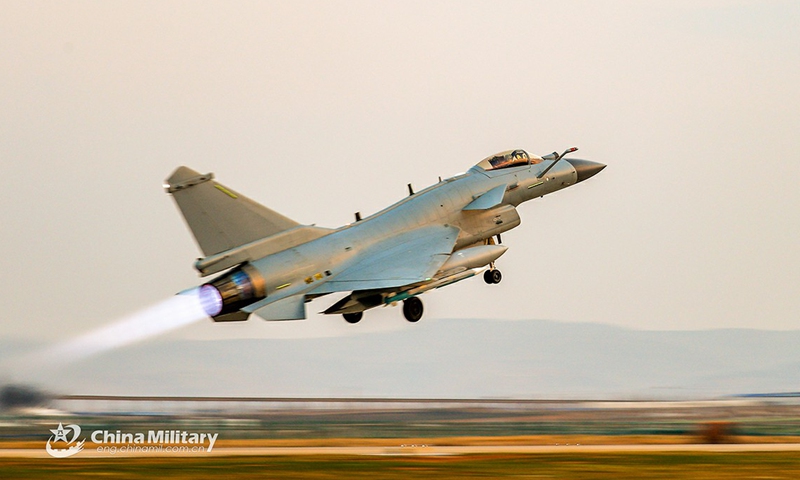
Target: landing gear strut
column 412, row 309
column 492, row 276
column 353, row 317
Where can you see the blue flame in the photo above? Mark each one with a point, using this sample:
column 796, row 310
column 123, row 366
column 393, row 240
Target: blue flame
column 210, row 300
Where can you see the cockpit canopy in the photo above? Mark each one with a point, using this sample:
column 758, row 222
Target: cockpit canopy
column 507, row 159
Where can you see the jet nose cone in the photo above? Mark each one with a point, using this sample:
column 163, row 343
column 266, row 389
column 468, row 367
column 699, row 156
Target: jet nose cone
column 585, row 168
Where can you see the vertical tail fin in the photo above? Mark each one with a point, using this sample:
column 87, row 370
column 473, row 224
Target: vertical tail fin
column 221, row 219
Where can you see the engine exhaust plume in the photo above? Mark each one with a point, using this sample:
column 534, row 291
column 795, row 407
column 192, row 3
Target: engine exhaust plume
column 163, row 317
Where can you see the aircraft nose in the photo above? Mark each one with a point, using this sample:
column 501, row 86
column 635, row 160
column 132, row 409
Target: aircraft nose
column 585, row 168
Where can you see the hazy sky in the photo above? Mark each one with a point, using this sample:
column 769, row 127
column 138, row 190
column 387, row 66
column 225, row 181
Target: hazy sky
column 321, row 109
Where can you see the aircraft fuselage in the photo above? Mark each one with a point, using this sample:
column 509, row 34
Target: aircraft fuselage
column 464, row 213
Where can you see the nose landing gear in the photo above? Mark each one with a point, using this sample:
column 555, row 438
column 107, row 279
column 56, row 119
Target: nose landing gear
column 492, row 276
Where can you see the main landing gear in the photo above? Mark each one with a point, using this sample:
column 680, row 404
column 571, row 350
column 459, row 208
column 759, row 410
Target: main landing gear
column 412, row 309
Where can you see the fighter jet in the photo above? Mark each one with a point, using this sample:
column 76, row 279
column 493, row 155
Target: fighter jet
column 272, row 266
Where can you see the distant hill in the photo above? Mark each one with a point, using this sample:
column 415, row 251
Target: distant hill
column 449, row 358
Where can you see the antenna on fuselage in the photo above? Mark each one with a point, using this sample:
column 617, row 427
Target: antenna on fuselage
column 559, row 157
column 410, row 190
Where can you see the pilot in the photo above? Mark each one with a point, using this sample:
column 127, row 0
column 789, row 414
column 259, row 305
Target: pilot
column 515, row 158
column 501, row 162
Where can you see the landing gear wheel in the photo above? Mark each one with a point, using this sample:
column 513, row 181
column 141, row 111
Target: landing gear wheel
column 492, row 276
column 353, row 317
column 412, row 309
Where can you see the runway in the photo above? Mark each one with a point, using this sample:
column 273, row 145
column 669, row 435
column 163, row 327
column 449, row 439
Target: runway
column 424, row 451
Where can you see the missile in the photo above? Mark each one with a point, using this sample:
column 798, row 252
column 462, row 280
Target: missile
column 461, row 265
column 473, row 257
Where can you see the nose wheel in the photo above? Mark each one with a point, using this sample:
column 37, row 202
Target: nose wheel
column 492, row 276
column 412, row 309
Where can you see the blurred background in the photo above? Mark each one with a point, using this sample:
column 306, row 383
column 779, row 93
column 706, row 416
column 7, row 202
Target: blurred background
column 673, row 275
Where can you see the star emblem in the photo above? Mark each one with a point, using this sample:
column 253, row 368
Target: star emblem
column 60, row 432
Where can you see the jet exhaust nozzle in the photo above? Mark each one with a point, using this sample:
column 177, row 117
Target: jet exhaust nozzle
column 232, row 291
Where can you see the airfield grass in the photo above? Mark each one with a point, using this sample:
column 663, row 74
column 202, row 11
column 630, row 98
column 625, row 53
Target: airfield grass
column 673, row 465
